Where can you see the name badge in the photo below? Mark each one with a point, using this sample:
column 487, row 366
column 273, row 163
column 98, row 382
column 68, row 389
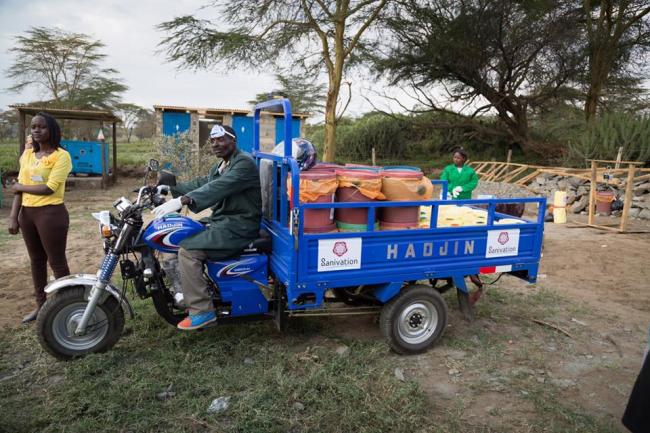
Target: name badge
column 37, row 178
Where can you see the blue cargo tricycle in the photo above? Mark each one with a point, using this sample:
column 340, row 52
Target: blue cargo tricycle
column 287, row 272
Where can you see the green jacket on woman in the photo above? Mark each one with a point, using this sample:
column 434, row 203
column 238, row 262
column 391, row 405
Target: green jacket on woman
column 236, row 200
column 467, row 179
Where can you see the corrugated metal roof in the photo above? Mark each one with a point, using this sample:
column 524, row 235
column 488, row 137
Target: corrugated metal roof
column 69, row 113
column 219, row 110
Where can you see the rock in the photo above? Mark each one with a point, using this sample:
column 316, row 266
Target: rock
column 541, row 180
column 249, row 361
column 474, row 338
column 574, row 181
column 562, row 185
column 298, row 406
column 570, row 197
column 645, row 214
column 645, row 203
column 634, row 212
column 546, row 176
column 399, row 374
column 582, row 190
column 563, row 383
column 579, row 205
column 453, row 372
column 166, row 394
column 644, row 187
column 456, row 354
column 342, row 350
column 219, row 404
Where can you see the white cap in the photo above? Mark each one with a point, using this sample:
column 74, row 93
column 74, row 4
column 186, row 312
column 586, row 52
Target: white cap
column 219, row 131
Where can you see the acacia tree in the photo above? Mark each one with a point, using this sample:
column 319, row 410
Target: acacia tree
column 303, row 35
column 502, row 56
column 618, row 32
column 66, row 66
column 130, row 115
column 306, row 96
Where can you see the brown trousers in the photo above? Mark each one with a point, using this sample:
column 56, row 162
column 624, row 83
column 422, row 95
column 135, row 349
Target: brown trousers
column 45, row 231
column 195, row 287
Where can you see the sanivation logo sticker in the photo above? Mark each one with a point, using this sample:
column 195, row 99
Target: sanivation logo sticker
column 502, row 243
column 339, row 254
column 340, row 248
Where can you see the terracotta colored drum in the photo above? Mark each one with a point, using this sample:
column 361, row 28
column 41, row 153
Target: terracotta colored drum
column 400, row 217
column 317, row 220
column 604, row 201
column 361, row 178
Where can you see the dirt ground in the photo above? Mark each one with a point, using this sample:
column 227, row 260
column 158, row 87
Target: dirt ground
column 593, row 285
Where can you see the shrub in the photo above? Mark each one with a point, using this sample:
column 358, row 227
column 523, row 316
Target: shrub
column 603, row 137
column 180, row 155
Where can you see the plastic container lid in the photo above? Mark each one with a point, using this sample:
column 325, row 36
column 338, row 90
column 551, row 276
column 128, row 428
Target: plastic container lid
column 358, row 173
column 402, row 168
column 318, row 175
column 402, row 174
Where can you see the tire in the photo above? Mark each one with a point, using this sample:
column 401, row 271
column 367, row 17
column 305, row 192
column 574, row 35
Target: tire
column 59, row 314
column 401, row 319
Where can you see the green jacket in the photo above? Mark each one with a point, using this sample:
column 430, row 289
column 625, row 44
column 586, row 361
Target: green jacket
column 236, row 200
column 467, row 179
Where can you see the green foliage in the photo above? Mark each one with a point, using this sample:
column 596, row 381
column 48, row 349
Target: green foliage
column 604, row 135
column 417, row 138
column 306, row 95
column 66, row 66
column 9, row 156
column 186, row 160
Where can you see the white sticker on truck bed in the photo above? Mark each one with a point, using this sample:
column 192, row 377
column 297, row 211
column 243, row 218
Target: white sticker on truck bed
column 339, row 254
column 502, row 243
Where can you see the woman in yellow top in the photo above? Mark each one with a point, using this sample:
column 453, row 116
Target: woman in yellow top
column 38, row 209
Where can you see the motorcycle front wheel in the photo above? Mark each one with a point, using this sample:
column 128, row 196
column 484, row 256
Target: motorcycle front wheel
column 60, row 315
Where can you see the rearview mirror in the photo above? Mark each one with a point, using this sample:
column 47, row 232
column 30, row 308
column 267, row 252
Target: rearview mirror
column 154, row 165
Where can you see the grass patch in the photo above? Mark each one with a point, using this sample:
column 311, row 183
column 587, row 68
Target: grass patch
column 265, row 375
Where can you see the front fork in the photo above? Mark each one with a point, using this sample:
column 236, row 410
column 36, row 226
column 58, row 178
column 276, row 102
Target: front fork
column 103, row 277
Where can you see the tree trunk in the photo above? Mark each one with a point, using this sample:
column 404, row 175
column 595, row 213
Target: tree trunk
column 330, row 125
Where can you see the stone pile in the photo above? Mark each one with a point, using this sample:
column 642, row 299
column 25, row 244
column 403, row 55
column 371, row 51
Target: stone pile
column 578, row 193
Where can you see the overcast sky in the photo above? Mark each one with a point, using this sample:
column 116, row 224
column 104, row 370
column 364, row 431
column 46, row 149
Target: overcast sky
column 127, row 28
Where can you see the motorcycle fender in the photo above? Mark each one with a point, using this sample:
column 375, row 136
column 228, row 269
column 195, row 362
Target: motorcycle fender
column 87, row 281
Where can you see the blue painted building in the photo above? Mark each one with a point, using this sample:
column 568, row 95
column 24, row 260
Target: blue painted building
column 198, row 122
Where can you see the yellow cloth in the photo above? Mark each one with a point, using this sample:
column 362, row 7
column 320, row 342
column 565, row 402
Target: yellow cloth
column 51, row 170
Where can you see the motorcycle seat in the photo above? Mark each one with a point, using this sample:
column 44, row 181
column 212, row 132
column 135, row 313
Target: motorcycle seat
column 262, row 245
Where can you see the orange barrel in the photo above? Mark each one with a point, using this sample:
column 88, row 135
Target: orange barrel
column 604, row 201
column 356, row 184
column 403, row 185
column 317, row 187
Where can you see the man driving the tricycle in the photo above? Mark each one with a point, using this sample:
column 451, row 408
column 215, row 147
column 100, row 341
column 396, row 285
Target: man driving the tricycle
column 232, row 190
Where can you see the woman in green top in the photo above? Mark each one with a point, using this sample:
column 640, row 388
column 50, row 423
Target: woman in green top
column 461, row 178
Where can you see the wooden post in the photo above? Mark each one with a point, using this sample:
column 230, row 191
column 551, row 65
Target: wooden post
column 21, row 133
column 104, row 162
column 592, row 192
column 509, row 159
column 374, row 160
column 627, row 201
column 619, row 155
column 114, row 153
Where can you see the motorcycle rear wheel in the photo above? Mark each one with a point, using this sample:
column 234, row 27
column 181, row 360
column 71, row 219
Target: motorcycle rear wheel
column 60, row 315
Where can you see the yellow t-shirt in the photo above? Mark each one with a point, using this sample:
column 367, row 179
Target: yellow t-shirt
column 51, row 170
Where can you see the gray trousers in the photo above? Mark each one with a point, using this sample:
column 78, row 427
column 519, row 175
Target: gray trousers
column 195, row 287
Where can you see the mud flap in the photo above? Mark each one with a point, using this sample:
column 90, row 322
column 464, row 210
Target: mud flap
column 465, row 306
column 279, row 303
